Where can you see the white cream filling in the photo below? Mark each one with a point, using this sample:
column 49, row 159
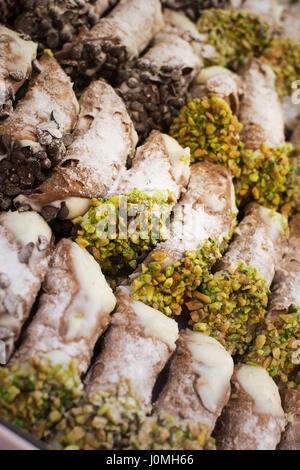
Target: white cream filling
column 212, row 72
column 213, row 364
column 58, row 358
column 156, row 324
column 94, row 299
column 22, row 52
column 180, row 159
column 76, row 205
column 26, row 226
column 159, row 19
column 180, row 21
column 261, row 387
column 275, row 221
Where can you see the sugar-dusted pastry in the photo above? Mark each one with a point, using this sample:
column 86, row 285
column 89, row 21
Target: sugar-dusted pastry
column 34, row 137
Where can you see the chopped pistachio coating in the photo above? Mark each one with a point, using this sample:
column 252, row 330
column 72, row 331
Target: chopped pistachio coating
column 117, row 231
column 235, row 35
column 266, row 178
column 165, row 288
column 36, row 394
column 294, row 179
column 106, row 421
column 211, row 131
column 274, row 345
column 283, row 56
column 229, row 305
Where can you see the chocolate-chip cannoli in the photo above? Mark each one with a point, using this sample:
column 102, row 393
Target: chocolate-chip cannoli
column 25, row 248
column 57, row 347
column 55, row 22
column 112, row 42
column 102, row 140
column 155, row 86
column 233, row 301
column 34, row 138
column 194, row 8
column 253, row 418
column 16, row 57
column 203, row 220
column 140, row 203
column 276, row 342
column 198, row 383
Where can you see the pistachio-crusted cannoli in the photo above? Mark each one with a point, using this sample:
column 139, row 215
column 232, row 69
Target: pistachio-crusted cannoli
column 112, row 420
column 203, row 220
column 155, row 86
column 136, row 348
column 253, row 418
column 112, row 42
column 25, row 247
column 34, row 138
column 208, row 126
column 55, row 22
column 16, row 57
column 290, row 439
column 198, row 383
column 233, row 35
column 137, row 206
column 275, row 345
column 230, row 304
column 73, row 310
column 43, row 379
column 103, row 138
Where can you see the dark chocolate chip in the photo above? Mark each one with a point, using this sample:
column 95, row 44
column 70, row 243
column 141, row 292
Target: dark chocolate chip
column 42, row 243
column 4, row 281
column 17, row 76
column 63, row 212
column 26, row 252
column 49, row 212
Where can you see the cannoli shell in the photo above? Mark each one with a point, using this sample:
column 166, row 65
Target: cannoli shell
column 22, row 272
column 180, row 397
column 67, row 299
column 257, row 243
column 291, row 404
column 103, row 138
column 49, row 96
column 241, row 427
column 260, row 109
column 129, row 354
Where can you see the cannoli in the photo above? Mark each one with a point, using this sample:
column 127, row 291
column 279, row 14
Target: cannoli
column 34, row 138
column 230, row 304
column 154, row 88
column 136, row 348
column 139, row 206
column 16, row 57
column 290, row 439
column 289, row 21
column 198, row 383
column 253, row 418
column 55, row 22
column 93, row 160
column 58, row 344
column 112, row 42
column 233, row 35
column 208, row 126
column 275, row 344
column 25, row 249
column 203, row 220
